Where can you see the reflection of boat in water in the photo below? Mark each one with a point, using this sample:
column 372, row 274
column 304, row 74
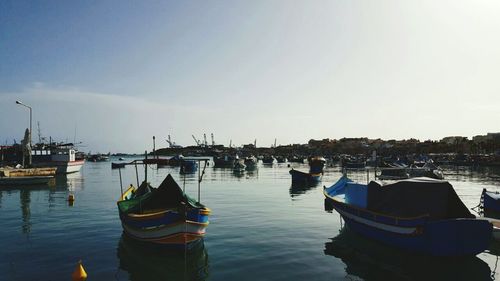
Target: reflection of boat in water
column 188, row 166
column 421, row 215
column 369, row 260
column 299, row 188
column 152, row 263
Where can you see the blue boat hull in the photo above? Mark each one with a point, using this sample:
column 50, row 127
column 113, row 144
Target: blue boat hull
column 451, row 237
column 444, row 238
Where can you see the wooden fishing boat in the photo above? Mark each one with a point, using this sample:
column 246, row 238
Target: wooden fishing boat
column 306, row 178
column 316, row 165
column 421, row 215
column 163, row 215
column 15, row 177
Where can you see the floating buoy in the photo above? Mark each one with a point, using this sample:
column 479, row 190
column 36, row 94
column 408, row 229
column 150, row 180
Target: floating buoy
column 79, row 274
column 71, row 198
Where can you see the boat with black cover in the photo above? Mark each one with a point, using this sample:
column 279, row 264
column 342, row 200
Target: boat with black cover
column 422, row 215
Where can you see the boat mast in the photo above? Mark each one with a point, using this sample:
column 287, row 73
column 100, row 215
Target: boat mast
column 145, row 166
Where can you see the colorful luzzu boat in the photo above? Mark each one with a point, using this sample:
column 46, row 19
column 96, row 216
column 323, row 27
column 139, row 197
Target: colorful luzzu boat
column 420, row 215
column 163, row 215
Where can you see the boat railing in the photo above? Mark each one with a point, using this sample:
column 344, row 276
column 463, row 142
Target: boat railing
column 145, row 162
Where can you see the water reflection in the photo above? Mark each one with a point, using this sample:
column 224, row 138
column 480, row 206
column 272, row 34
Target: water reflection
column 153, row 263
column 370, row 260
column 298, row 188
column 25, row 199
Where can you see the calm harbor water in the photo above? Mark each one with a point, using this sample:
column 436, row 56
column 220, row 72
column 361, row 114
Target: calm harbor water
column 261, row 229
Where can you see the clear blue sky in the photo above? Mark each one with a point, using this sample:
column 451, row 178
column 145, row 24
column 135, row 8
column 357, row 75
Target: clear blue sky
column 119, row 72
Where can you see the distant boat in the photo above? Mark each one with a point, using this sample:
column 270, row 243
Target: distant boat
column 225, row 161
column 268, row 160
column 297, row 159
column 281, row 159
column 251, row 162
column 420, row 215
column 428, row 169
column 163, row 215
column 353, row 162
column 393, row 174
column 239, row 166
column 98, row 158
column 316, row 166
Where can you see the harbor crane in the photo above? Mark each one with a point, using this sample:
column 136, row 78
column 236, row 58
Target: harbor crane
column 172, row 144
column 169, row 141
column 196, row 140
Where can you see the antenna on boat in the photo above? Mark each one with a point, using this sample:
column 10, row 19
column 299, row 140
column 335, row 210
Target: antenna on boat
column 146, row 166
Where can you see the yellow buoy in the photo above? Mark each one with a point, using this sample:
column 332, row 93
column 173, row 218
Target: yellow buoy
column 79, row 274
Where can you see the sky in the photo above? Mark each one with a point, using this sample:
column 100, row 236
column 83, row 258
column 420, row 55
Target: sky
column 112, row 74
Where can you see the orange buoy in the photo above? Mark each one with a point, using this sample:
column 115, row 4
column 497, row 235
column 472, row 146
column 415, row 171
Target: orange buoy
column 79, row 274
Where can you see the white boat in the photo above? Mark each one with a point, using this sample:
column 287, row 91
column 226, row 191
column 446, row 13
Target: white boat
column 63, row 157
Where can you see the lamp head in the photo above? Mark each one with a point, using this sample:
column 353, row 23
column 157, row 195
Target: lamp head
column 18, row 102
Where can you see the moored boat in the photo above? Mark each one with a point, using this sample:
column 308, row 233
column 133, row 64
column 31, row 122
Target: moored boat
column 14, row 176
column 421, row 215
column 269, row 160
column 251, row 162
column 239, row 166
column 163, row 215
column 316, row 165
column 304, row 178
column 61, row 156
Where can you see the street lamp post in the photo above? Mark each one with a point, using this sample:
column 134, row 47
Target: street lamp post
column 29, row 107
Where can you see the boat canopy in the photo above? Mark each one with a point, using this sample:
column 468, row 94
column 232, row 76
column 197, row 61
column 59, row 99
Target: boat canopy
column 167, row 195
column 417, row 197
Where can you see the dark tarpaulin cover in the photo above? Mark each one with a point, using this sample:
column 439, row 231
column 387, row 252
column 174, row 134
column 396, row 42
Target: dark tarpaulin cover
column 416, row 197
column 167, row 195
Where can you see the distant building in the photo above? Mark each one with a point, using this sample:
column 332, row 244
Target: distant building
column 486, row 138
column 453, row 140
